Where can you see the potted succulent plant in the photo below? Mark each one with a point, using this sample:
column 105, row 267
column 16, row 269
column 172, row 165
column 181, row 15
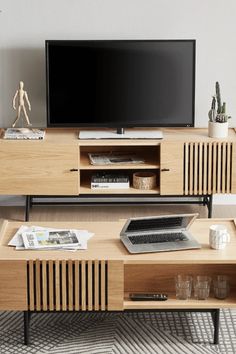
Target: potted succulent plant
column 218, row 119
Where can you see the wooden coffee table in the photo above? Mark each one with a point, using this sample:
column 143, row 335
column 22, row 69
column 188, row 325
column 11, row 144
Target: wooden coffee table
column 102, row 277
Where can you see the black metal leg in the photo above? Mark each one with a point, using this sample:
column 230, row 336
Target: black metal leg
column 27, row 207
column 30, row 202
column 216, row 322
column 205, row 201
column 26, row 327
column 209, row 205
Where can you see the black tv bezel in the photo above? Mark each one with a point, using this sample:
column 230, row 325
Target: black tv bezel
column 89, row 125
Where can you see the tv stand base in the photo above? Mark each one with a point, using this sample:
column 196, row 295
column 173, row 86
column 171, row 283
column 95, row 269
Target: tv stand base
column 120, row 134
column 205, row 200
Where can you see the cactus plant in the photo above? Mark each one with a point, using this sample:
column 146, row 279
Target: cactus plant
column 218, row 97
column 218, row 115
column 212, row 113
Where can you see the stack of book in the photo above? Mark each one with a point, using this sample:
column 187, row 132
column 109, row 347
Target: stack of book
column 109, row 181
column 24, row 134
column 43, row 238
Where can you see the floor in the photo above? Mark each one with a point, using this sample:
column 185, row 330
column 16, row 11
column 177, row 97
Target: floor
column 102, row 213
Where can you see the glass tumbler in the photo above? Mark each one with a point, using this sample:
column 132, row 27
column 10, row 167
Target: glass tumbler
column 201, row 287
column 221, row 287
column 183, row 286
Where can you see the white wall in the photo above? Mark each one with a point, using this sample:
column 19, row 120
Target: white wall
column 25, row 24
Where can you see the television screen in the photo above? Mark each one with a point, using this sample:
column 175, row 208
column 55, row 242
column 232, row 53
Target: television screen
column 120, row 83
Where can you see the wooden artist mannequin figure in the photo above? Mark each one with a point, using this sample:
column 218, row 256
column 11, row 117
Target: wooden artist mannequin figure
column 22, row 97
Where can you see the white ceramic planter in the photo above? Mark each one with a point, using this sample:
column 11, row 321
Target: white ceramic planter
column 218, row 130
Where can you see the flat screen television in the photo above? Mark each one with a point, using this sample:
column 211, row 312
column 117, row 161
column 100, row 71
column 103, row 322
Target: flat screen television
column 120, row 83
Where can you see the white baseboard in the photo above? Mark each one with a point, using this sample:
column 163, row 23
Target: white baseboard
column 223, row 199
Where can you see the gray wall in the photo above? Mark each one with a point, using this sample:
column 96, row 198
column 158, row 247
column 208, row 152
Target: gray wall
column 25, row 24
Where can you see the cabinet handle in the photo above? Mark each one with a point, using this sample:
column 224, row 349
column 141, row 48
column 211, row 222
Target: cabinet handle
column 74, row 169
column 165, row 169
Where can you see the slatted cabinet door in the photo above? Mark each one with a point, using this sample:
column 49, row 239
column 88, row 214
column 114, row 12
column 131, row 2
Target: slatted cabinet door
column 79, row 285
column 209, row 168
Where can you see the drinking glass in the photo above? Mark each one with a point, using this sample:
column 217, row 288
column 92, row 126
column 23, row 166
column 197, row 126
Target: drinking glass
column 183, row 286
column 201, row 286
column 221, row 287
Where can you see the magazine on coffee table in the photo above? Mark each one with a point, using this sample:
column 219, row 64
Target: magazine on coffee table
column 52, row 239
column 37, row 237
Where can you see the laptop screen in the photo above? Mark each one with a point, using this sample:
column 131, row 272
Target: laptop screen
column 155, row 224
column 165, row 222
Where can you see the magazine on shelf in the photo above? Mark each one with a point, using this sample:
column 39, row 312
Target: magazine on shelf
column 36, row 237
column 24, row 134
column 114, row 159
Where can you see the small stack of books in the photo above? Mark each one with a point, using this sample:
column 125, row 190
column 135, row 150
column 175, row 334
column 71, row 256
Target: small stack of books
column 102, row 180
column 24, row 134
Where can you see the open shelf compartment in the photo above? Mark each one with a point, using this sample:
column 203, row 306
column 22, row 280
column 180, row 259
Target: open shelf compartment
column 160, row 278
column 150, row 154
column 85, row 183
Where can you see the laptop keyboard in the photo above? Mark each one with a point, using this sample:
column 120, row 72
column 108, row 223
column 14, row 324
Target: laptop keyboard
column 157, row 238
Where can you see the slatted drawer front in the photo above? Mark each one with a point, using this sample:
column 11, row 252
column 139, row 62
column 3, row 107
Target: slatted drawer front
column 207, row 168
column 67, row 285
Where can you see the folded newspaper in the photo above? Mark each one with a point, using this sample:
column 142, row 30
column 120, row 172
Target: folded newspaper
column 114, row 158
column 41, row 238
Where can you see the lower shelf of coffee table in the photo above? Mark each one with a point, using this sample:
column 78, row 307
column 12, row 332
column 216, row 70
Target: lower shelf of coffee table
column 173, row 303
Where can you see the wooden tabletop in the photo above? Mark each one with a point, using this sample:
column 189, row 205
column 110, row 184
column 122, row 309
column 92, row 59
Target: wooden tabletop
column 65, row 136
column 105, row 244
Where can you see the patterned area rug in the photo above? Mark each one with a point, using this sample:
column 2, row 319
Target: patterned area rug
column 141, row 333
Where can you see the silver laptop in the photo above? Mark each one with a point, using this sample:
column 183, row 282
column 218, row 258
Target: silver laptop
column 159, row 233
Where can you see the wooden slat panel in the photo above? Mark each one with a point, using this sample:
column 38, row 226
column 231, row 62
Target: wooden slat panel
column 44, row 285
column 70, row 286
column 77, row 285
column 103, row 285
column 57, row 285
column 51, row 285
column 63, row 285
column 191, row 169
column 209, row 168
column 83, row 286
column 205, row 158
column 196, row 172
column 90, row 286
column 232, row 188
column 223, row 168
column 214, row 167
column 38, row 284
column 96, row 285
column 219, row 168
column 228, row 168
column 186, row 168
column 115, row 280
column 200, row 165
column 31, row 286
